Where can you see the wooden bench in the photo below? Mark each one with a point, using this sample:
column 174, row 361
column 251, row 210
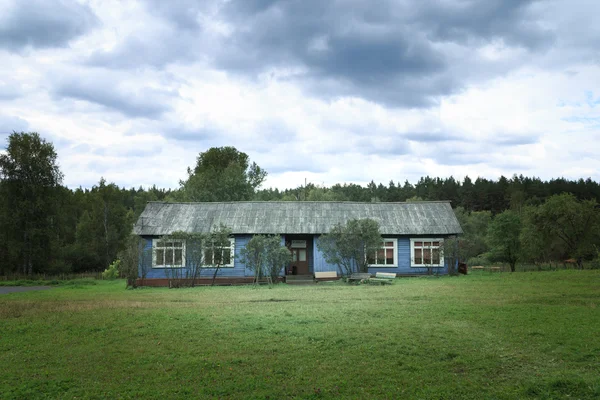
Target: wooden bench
column 359, row 276
column 326, row 275
column 477, row 267
column 383, row 277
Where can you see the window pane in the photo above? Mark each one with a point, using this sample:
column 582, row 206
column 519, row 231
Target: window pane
column 380, row 256
column 226, row 257
column 436, row 256
column 168, row 256
column 168, row 244
column 427, row 256
column 177, row 244
column 160, row 244
column 389, row 244
column 426, row 244
column 302, row 255
column 294, row 255
column 217, row 256
column 418, row 244
column 178, row 257
column 389, row 256
column 208, row 256
column 436, row 244
column 160, row 257
column 418, row 256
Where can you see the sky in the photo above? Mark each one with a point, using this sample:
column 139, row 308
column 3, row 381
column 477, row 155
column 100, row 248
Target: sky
column 329, row 92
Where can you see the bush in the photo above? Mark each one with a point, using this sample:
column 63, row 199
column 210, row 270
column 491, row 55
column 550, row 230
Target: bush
column 595, row 263
column 112, row 272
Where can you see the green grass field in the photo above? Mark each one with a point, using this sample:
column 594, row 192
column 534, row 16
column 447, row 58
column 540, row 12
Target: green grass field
column 498, row 336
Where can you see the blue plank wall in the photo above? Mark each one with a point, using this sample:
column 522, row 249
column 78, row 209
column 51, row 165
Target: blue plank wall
column 238, row 270
column 403, row 267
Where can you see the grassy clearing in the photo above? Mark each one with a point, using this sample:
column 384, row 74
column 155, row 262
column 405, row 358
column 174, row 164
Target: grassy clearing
column 501, row 336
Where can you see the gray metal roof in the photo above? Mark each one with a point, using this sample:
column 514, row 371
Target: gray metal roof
column 296, row 217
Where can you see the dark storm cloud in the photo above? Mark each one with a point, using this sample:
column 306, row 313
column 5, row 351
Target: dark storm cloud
column 185, row 14
column 43, row 23
column 465, row 21
column 390, row 52
column 137, row 103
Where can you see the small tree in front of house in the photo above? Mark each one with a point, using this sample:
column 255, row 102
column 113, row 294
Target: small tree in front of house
column 135, row 260
column 278, row 256
column 454, row 251
column 192, row 252
column 254, row 256
column 347, row 246
column 183, row 255
column 217, row 251
column 265, row 256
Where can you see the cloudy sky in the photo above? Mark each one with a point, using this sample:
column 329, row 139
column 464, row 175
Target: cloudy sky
column 331, row 91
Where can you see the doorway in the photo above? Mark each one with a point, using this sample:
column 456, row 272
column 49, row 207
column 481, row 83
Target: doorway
column 300, row 250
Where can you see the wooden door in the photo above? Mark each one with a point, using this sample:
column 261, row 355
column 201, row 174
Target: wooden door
column 299, row 264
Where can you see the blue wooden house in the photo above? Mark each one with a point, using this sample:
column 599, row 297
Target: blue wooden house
column 412, row 234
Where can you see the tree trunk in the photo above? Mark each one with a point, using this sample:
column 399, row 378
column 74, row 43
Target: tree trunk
column 215, row 275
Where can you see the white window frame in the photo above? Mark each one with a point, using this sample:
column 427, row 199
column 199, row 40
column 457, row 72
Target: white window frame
column 394, row 264
column 231, row 257
column 440, row 247
column 154, row 248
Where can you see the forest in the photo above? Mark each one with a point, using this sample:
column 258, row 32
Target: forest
column 46, row 227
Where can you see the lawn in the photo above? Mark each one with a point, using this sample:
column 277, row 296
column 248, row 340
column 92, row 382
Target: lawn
column 499, row 336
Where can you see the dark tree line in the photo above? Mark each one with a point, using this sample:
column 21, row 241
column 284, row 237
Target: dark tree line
column 46, row 227
column 479, row 195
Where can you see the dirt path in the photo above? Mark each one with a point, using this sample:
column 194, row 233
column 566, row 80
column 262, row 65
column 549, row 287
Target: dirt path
column 16, row 289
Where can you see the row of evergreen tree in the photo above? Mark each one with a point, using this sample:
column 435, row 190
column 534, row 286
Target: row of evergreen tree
column 479, row 195
column 46, row 227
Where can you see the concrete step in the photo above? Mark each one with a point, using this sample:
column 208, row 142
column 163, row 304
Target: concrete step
column 299, row 279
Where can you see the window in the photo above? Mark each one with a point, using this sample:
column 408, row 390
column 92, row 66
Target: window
column 386, row 255
column 168, row 253
column 298, row 255
column 172, row 253
column 223, row 255
column 426, row 252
